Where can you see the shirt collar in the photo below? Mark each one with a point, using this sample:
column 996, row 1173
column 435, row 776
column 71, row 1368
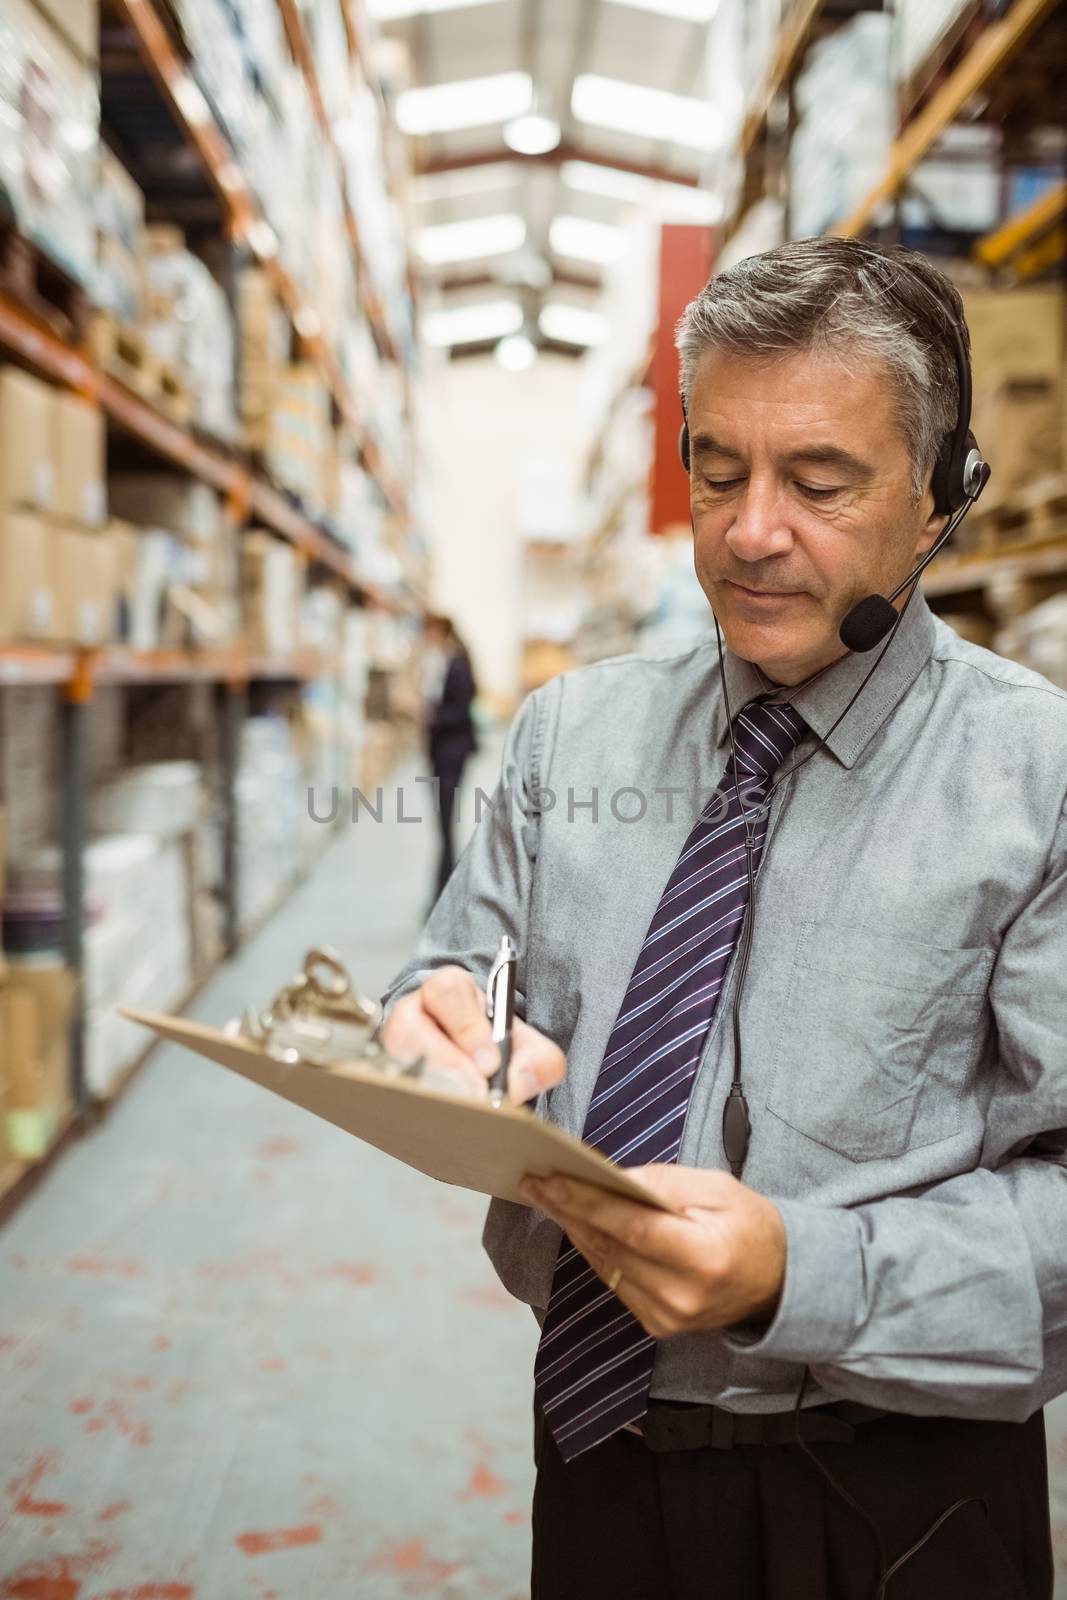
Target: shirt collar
column 822, row 701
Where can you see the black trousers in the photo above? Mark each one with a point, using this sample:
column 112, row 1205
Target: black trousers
column 449, row 775
column 760, row 1522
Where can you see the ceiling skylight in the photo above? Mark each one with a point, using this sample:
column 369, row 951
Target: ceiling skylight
column 471, row 324
column 649, row 113
column 465, row 103
column 470, row 239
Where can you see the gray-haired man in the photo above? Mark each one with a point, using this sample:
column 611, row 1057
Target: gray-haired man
column 899, row 1236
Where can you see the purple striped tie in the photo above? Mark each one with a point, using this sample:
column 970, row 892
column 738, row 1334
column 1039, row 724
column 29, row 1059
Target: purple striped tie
column 594, row 1360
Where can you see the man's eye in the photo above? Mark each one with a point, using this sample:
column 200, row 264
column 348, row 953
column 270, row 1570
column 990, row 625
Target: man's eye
column 815, row 493
column 722, row 484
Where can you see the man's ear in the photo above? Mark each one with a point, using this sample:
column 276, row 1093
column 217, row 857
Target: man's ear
column 932, row 527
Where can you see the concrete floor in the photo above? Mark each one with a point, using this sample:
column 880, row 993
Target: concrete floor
column 242, row 1355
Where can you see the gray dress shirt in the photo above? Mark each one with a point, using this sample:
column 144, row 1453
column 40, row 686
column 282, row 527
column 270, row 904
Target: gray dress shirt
column 904, row 1017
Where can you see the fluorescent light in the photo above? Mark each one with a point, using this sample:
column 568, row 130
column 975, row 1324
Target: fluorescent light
column 569, row 324
column 590, row 178
column 685, row 10
column 649, row 113
column 668, row 199
column 471, row 324
column 532, row 135
column 588, row 241
column 392, row 10
column 470, row 239
column 456, row 183
column 516, row 353
column 467, row 103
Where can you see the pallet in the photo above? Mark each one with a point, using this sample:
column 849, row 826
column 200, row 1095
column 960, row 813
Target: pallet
column 29, row 276
column 123, row 353
column 1023, row 518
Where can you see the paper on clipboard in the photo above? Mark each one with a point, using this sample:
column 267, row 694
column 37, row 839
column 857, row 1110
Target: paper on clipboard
column 448, row 1136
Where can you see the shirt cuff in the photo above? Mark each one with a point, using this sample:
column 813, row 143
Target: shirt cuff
column 821, row 1303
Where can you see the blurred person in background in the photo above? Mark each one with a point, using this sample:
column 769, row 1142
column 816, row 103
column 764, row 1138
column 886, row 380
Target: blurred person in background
column 449, row 690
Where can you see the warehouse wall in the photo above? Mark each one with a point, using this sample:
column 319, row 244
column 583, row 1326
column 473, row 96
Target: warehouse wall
column 486, row 426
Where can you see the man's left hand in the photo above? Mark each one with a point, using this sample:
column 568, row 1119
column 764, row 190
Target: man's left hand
column 721, row 1261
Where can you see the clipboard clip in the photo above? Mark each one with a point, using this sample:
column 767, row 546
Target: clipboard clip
column 319, row 1019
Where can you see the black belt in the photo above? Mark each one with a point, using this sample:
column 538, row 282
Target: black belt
column 679, row 1425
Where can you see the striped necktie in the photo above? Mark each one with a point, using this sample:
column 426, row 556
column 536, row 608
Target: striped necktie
column 594, row 1359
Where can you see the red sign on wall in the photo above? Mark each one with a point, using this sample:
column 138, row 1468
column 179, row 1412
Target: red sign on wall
column 686, row 256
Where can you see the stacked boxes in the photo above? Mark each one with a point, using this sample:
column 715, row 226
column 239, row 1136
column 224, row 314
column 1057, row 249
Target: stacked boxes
column 297, row 441
column 176, row 562
column 847, row 116
column 264, row 347
column 35, row 1018
column 118, row 283
column 270, row 595
column 49, row 129
column 138, row 947
column 56, row 573
column 1017, row 341
column 188, row 324
column 270, row 802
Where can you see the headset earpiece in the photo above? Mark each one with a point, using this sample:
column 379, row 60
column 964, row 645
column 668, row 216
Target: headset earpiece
column 958, row 475
column 683, row 446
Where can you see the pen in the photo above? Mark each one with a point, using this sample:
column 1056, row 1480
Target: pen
column 500, row 1006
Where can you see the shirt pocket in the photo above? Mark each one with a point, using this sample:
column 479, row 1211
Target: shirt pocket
column 878, row 1039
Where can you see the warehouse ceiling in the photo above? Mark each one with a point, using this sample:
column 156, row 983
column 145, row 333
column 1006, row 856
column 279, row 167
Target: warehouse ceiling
column 537, row 229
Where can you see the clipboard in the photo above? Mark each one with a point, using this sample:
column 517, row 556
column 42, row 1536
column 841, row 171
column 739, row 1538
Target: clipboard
column 448, row 1136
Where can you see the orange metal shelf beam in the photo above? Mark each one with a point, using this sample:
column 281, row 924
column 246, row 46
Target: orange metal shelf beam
column 792, row 42
column 987, row 56
column 1016, row 236
column 43, row 664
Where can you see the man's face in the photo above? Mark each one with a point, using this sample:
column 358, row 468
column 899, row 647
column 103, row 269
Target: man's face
column 802, row 502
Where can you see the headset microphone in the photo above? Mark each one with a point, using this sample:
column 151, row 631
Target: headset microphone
column 871, row 618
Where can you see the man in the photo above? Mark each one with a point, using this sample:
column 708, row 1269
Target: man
column 894, row 1258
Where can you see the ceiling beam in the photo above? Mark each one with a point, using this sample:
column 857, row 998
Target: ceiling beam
column 555, row 158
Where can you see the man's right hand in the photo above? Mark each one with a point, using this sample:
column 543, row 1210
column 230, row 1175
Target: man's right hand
column 445, row 1021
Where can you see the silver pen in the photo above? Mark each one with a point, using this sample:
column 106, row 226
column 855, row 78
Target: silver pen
column 500, row 1006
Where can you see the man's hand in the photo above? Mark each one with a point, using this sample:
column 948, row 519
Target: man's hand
column 721, row 1261
column 446, row 1022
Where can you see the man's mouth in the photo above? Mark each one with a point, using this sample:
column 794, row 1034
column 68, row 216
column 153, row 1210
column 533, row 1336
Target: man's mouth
column 763, row 594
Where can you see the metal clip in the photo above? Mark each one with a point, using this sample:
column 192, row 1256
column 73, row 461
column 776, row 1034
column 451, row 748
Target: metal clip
column 319, row 1019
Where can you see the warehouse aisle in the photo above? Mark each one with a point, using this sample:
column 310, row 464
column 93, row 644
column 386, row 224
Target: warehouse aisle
column 242, row 1355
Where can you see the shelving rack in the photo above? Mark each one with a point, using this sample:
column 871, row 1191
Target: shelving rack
column 32, row 342
column 979, row 63
column 991, row 53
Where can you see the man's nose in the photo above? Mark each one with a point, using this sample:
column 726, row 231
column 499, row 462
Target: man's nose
column 760, row 527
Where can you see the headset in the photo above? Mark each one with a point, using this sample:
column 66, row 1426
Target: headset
column 959, row 475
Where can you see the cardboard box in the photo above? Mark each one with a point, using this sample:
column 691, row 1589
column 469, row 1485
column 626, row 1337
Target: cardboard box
column 80, row 452
column 35, row 1015
column 168, row 500
column 27, row 458
column 270, row 595
column 1019, row 424
column 85, row 586
column 1015, row 333
column 27, row 598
